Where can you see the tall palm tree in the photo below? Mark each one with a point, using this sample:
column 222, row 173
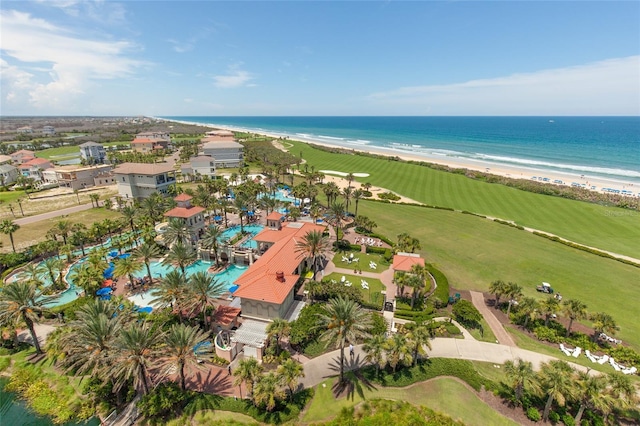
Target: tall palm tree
column 278, row 328
column 289, row 372
column 54, row 267
column 134, row 355
column 267, row 391
column 87, row 278
column 407, row 243
column 374, row 347
column 203, row 290
column 209, row 241
column 574, row 310
column 529, row 308
column 513, row 292
column 357, row 195
column 21, row 301
column 331, row 191
column 549, row 307
column 80, row 236
column 178, row 350
column 343, row 320
column 603, row 323
column 521, row 376
column 172, row 290
column 498, row 288
column 337, row 217
column 592, row 394
column 398, row 350
column 419, row 336
column 130, row 213
column 241, row 203
column 146, row 252
column 176, row 232
column 248, row 371
column 127, row 266
column 9, row 227
column 63, row 228
column 417, row 280
column 313, row 247
column 622, row 391
column 347, row 193
column 32, row 272
column 180, row 255
column 556, row 381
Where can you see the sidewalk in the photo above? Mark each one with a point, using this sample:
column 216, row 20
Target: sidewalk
column 501, row 334
column 43, row 216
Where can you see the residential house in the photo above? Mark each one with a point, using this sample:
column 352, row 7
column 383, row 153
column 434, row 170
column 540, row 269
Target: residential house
column 34, row 167
column 48, row 131
column 155, row 135
column 146, row 142
column 192, row 217
column 202, row 165
column 93, row 153
column 24, row 130
column 22, row 156
column 76, row 178
column 140, row 180
column 8, row 174
column 404, row 262
column 5, row 159
column 227, row 153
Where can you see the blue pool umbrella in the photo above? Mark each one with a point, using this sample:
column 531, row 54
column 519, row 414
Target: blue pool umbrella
column 105, row 297
column 217, row 218
column 113, row 253
column 124, row 256
column 103, row 291
column 233, row 288
column 108, row 273
column 146, row 309
column 250, row 213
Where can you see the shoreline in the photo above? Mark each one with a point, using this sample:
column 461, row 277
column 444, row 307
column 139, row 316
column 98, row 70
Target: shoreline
column 586, row 181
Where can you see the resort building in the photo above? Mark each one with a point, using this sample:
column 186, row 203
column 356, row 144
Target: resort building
column 48, row 131
column 22, row 156
column 147, row 142
column 8, row 174
column 403, row 262
column 202, row 165
column 76, row 178
column 5, row 159
column 227, row 153
column 161, row 135
column 34, row 167
column 192, row 217
column 93, row 153
column 140, row 180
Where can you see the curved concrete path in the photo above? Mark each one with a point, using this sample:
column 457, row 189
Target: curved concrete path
column 501, row 334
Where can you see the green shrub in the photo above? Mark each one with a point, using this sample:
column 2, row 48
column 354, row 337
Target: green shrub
column 442, row 290
column 165, row 399
column 389, row 196
column 70, row 308
column 568, row 420
column 376, row 250
column 554, row 417
column 533, row 414
column 5, row 362
column 547, row 334
column 465, row 313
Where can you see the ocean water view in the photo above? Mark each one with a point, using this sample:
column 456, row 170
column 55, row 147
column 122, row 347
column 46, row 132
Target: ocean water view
column 606, row 147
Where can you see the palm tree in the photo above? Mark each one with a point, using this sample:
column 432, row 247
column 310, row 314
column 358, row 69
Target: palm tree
column 331, row 191
column 9, row 227
column 278, row 328
column 575, row 310
column 521, row 376
column 178, row 350
column 591, row 393
column 32, row 272
column 556, row 380
column 54, row 267
column 209, row 241
column 416, row 280
column 79, row 236
column 313, row 246
column 375, row 348
column 268, row 391
column 176, row 231
column 407, row 243
column 513, row 292
column 203, row 290
column 529, row 308
column 622, row 392
column 498, row 288
column 289, row 372
column 134, row 351
column 398, row 350
column 337, row 217
column 146, row 252
column 87, row 278
column 130, row 213
column 248, row 371
column 180, row 255
column 346, row 193
column 127, row 266
column 357, row 195
column 172, row 289
column 63, row 228
column 549, row 307
column 21, row 301
column 603, row 323
column 419, row 335
column 343, row 320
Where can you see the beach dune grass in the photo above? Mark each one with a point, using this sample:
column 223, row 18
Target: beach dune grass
column 472, row 252
column 607, row 228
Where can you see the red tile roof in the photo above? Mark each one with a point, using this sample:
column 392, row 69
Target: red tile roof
column 35, row 162
column 225, row 315
column 183, row 197
column 275, row 216
column 259, row 282
column 184, row 212
column 404, row 263
column 144, row 140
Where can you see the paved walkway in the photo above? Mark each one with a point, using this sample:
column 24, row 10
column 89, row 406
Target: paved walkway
column 501, row 334
column 38, row 217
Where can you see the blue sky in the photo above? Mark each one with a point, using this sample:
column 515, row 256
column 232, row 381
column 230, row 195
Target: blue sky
column 69, row 57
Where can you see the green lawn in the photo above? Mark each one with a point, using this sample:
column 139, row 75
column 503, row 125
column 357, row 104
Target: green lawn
column 444, row 395
column 602, row 227
column 362, row 262
column 472, row 252
column 210, row 417
column 486, row 335
column 373, row 294
column 67, row 152
column 11, row 196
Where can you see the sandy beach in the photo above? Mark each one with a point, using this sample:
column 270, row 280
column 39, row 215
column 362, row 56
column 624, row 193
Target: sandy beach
column 593, row 183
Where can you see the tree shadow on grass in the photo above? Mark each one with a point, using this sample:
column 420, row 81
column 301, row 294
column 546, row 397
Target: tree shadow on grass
column 354, row 381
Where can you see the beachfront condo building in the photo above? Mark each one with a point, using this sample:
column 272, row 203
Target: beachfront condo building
column 93, row 153
column 202, row 165
column 227, row 153
column 140, row 180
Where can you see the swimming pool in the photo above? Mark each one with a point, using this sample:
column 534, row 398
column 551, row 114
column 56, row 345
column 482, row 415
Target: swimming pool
column 231, row 232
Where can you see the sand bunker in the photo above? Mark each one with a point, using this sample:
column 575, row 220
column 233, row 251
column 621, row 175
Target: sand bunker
column 343, row 174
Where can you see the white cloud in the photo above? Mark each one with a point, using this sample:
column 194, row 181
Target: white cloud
column 72, row 62
column 609, row 87
column 181, row 47
column 235, row 78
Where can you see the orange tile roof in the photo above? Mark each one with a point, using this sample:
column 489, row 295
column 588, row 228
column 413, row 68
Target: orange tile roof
column 183, row 197
column 275, row 216
column 259, row 281
column 35, row 162
column 404, row 262
column 224, row 315
column 143, row 140
column 184, row 212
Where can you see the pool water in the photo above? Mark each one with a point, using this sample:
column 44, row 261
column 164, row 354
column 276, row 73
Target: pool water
column 231, row 232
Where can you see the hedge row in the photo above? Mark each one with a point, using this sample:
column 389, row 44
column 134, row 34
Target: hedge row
column 511, row 224
column 442, row 291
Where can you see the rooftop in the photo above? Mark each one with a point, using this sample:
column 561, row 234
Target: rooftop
column 143, row 168
column 220, row 144
column 184, row 212
column 404, row 261
column 90, row 143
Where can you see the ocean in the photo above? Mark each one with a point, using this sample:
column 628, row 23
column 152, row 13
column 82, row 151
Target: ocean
column 607, row 147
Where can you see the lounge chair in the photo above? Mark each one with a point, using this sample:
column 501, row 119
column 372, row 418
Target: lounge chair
column 347, row 283
column 603, row 359
column 590, row 355
column 576, row 352
column 563, row 348
column 343, row 279
column 631, row 370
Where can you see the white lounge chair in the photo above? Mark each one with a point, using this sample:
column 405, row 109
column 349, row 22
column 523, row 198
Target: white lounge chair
column 590, row 356
column 603, row 359
column 347, row 283
column 631, row 370
column 343, row 279
column 576, row 352
column 564, row 349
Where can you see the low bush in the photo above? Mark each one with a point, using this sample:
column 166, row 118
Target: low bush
column 547, row 334
column 533, row 414
column 389, row 196
column 442, row 289
column 376, row 250
column 568, row 420
column 5, row 362
column 554, row 417
column 167, row 398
